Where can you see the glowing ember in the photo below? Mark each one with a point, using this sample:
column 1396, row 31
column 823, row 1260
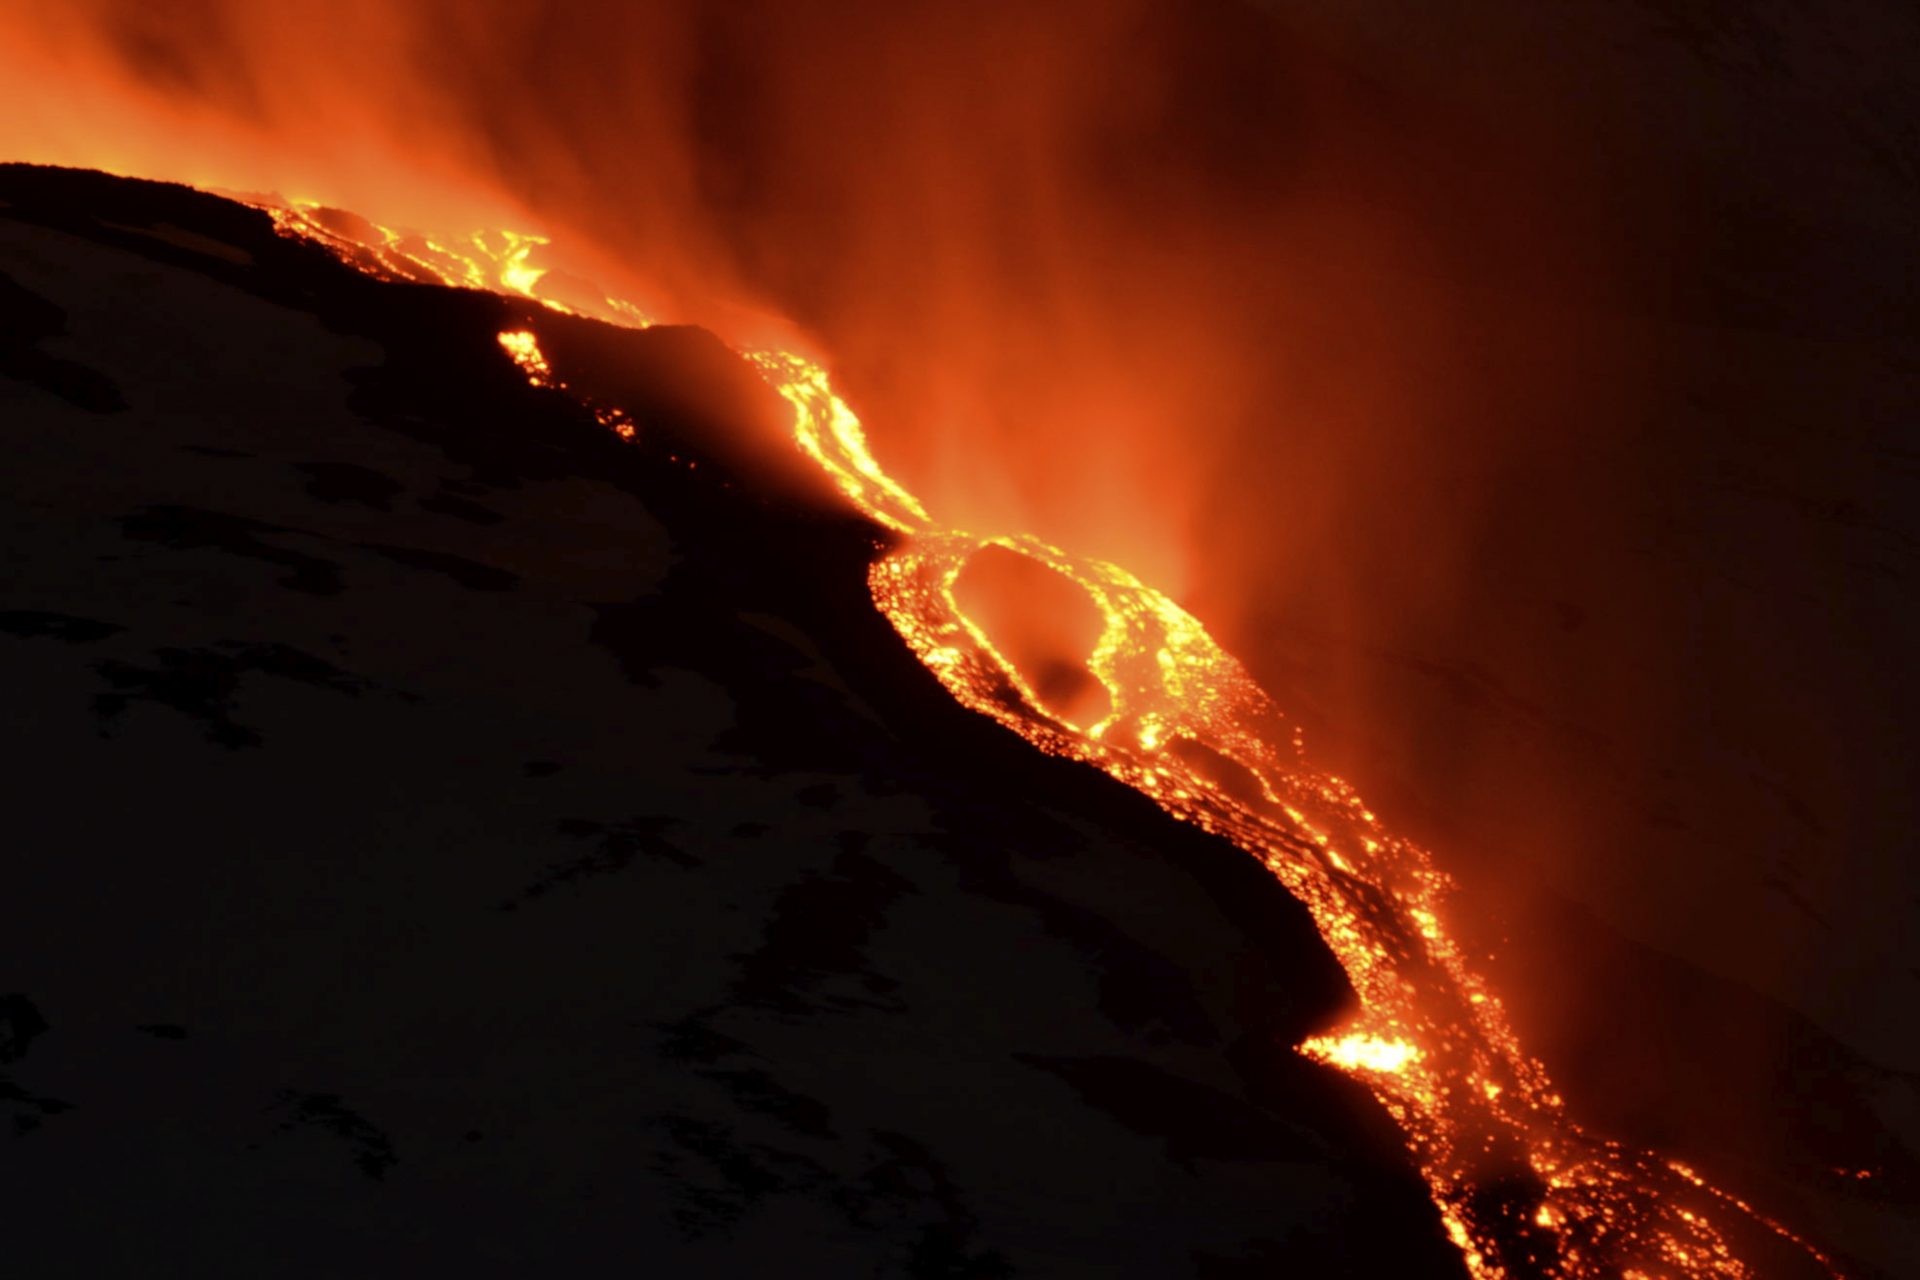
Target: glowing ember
column 1522, row 1190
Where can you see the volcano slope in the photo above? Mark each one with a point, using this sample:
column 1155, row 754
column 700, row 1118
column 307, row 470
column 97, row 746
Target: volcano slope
column 443, row 838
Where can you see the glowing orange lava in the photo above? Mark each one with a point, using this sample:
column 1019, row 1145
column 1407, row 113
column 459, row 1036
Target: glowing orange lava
column 1522, row 1189
column 523, row 348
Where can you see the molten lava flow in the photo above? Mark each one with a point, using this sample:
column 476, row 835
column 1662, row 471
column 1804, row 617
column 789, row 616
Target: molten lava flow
column 496, row 262
column 1521, row 1188
column 1354, row 1053
column 523, row 348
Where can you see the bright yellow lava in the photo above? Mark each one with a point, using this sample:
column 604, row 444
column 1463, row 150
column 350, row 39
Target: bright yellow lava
column 523, row 348
column 1521, row 1189
column 1357, row 1053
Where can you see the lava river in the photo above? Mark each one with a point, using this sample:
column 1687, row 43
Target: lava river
column 1521, row 1188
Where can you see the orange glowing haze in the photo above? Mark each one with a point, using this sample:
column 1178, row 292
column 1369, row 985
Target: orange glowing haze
column 1167, row 286
column 1073, row 290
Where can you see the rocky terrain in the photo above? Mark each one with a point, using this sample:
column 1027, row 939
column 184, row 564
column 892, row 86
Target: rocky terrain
column 444, row 839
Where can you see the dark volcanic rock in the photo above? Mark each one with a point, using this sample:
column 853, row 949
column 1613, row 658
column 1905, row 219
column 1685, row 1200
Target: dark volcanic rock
column 336, row 638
